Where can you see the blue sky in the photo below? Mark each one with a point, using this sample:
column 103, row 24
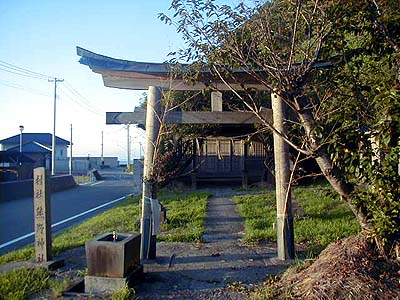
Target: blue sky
column 42, row 36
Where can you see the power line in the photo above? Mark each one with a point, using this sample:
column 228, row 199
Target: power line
column 113, row 132
column 81, row 100
column 22, row 69
column 22, row 74
column 71, row 93
column 74, row 91
column 7, row 67
column 26, row 89
column 80, row 103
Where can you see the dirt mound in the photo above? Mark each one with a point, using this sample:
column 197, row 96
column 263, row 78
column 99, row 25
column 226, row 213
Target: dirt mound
column 348, row 269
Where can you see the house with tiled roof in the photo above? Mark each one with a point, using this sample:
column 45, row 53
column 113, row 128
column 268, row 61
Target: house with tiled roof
column 37, row 146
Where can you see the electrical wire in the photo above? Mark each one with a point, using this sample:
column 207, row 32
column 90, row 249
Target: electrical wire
column 23, row 88
column 76, row 101
column 69, row 92
column 21, row 74
column 81, row 99
column 79, row 95
column 10, row 68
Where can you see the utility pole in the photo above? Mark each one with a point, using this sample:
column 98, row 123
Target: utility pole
column 102, row 146
column 70, row 153
column 53, row 141
column 128, row 147
column 21, row 128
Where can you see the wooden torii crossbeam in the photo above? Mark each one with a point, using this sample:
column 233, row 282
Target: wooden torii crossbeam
column 192, row 117
column 155, row 77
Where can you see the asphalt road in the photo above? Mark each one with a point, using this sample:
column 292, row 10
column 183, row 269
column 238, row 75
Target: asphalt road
column 68, row 208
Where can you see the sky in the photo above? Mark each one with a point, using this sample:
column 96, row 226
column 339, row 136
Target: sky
column 41, row 36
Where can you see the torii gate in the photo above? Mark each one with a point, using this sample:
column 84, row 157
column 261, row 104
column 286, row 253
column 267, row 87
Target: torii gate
column 155, row 77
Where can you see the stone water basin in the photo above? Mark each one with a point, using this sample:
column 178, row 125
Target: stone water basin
column 114, row 256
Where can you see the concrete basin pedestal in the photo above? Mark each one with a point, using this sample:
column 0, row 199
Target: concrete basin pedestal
column 113, row 260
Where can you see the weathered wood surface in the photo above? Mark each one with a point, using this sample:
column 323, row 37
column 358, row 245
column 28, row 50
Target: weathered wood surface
column 216, row 101
column 110, row 79
column 285, row 229
column 148, row 239
column 125, row 74
column 191, row 117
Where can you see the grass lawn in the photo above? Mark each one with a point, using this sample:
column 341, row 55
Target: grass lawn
column 326, row 218
column 186, row 212
column 20, row 284
column 185, row 215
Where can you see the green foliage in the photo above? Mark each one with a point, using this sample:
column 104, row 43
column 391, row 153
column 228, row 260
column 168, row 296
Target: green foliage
column 120, row 218
column 348, row 113
column 18, row 255
column 326, row 219
column 58, row 286
column 82, row 179
column 259, row 213
column 185, row 214
column 381, row 200
column 362, row 118
column 21, row 284
column 129, row 169
column 268, row 291
column 124, row 293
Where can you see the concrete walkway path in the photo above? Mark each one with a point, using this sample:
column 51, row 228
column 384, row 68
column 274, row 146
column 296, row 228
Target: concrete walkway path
column 221, row 267
column 209, row 270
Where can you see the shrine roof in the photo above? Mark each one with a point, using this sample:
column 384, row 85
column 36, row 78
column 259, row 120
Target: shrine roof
column 126, row 74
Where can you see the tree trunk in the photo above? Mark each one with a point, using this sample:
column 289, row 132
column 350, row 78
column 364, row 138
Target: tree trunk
column 330, row 172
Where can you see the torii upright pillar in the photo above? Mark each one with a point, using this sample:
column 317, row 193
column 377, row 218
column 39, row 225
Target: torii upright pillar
column 153, row 118
column 285, row 234
column 124, row 74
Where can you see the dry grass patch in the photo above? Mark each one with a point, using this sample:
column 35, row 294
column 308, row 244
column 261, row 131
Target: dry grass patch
column 349, row 269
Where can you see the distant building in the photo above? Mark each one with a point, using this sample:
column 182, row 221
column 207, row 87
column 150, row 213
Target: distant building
column 82, row 164
column 15, row 166
column 37, row 147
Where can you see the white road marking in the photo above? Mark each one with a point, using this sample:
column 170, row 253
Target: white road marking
column 17, row 240
column 96, row 183
column 66, row 220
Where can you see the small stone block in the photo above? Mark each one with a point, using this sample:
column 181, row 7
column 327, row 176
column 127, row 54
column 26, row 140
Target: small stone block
column 48, row 265
column 163, row 215
column 105, row 285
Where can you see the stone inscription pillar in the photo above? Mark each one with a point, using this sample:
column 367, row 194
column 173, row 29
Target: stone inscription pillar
column 42, row 215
